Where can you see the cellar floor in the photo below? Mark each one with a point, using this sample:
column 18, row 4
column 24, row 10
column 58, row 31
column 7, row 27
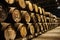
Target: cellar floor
column 53, row 34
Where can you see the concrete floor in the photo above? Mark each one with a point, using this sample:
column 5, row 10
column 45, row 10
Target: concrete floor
column 53, row 34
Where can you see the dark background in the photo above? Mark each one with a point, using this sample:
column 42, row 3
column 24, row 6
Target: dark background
column 49, row 5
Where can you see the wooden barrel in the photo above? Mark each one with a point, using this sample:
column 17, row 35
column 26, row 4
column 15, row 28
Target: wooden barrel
column 40, row 31
column 46, row 26
column 48, row 14
column 3, row 14
column 38, row 17
column 37, row 30
column 9, row 33
column 43, row 11
column 31, row 28
column 9, row 1
column 49, row 20
column 16, row 16
column 40, row 10
column 41, row 27
column 50, row 26
column 18, row 25
column 35, row 7
column 33, row 18
column 42, row 18
column 56, row 22
column 22, row 3
column 22, row 29
column 12, row 9
column 29, row 5
column 45, row 19
column 25, row 16
column 53, row 18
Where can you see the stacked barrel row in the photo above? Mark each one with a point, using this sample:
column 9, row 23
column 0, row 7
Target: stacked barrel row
column 25, row 20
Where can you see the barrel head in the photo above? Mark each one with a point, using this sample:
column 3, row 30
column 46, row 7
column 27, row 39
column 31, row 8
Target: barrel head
column 23, row 31
column 9, row 33
column 31, row 27
column 29, row 4
column 16, row 15
column 35, row 7
column 38, row 16
column 40, row 10
column 26, row 16
column 22, row 3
